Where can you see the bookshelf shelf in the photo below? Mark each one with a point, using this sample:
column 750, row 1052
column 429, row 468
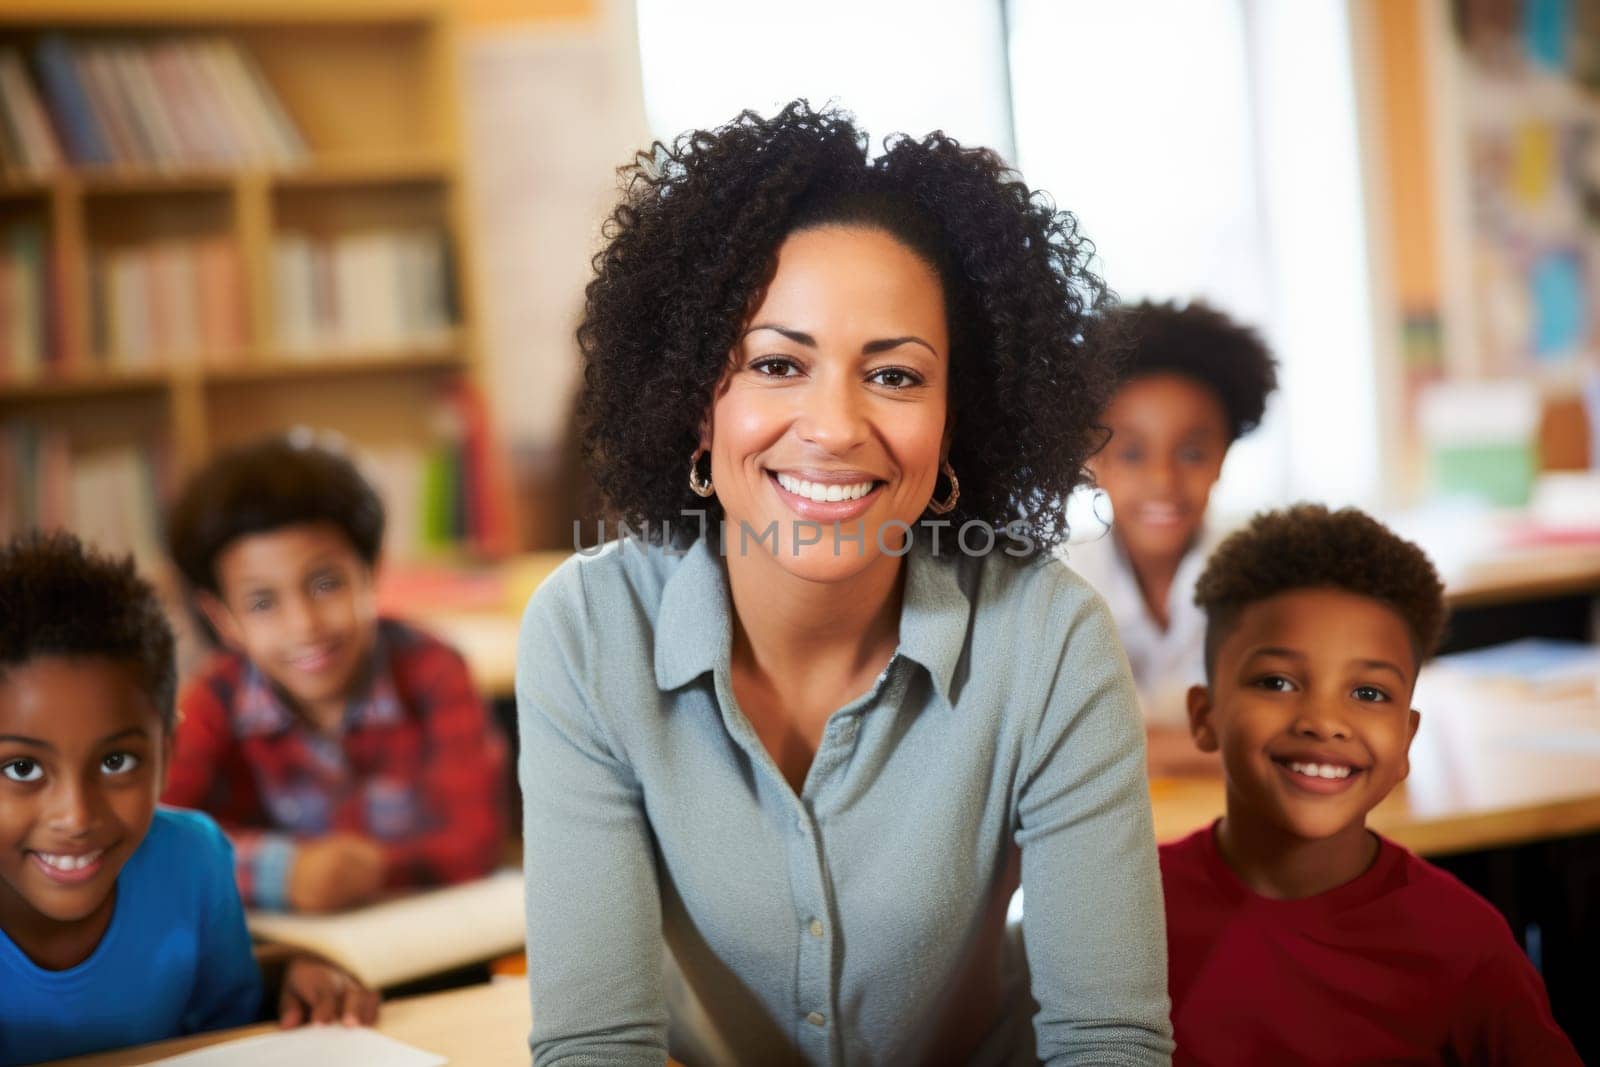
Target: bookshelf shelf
column 101, row 182
column 357, row 171
column 23, row 188
column 286, row 367
column 331, row 172
column 205, row 263
column 103, row 383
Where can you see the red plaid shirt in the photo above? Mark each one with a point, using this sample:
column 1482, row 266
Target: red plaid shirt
column 419, row 767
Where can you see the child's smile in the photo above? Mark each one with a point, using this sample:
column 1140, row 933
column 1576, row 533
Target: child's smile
column 1319, row 774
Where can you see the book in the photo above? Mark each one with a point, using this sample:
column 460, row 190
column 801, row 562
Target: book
column 93, row 74
column 22, row 245
column 466, row 923
column 107, row 494
column 24, row 117
column 69, row 102
column 367, row 289
column 169, row 301
column 163, row 102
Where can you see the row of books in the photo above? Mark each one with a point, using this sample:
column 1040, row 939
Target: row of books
column 106, row 495
column 437, row 497
column 367, row 289
column 26, row 301
column 453, row 493
column 166, row 102
column 169, row 300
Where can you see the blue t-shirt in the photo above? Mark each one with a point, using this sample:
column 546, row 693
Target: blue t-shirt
column 175, row 958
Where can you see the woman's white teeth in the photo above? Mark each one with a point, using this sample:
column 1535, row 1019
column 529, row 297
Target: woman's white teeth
column 1321, row 770
column 69, row 863
column 823, row 492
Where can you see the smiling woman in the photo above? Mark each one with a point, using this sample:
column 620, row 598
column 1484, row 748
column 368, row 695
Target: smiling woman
column 807, row 745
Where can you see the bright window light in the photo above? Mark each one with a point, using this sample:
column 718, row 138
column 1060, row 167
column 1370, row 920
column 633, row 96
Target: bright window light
column 899, row 65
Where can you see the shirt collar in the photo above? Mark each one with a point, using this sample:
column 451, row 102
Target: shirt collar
column 694, row 628
column 262, row 711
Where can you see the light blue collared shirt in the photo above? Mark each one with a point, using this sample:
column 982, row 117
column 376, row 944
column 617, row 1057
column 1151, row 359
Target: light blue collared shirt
column 863, row 920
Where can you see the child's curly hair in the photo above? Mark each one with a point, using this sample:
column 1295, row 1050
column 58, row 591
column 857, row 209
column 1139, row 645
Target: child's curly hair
column 1196, row 342
column 1306, row 547
column 59, row 598
column 694, row 240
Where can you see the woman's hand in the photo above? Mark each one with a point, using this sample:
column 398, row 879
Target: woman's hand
column 318, row 992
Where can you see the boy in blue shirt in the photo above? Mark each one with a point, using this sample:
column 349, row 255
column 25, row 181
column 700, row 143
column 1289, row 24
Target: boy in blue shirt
column 119, row 922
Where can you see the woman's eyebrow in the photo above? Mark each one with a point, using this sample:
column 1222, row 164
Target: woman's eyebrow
column 794, row 335
column 801, row 338
column 34, row 742
column 895, row 342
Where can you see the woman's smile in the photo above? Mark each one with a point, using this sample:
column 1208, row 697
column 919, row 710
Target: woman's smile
column 827, row 499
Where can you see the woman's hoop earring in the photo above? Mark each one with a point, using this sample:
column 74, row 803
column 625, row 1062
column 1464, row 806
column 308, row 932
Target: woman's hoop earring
column 700, row 488
column 946, row 506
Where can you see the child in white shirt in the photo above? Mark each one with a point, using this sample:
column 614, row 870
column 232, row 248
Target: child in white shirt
column 1194, row 381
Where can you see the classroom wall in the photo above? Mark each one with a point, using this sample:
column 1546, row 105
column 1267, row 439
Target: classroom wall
column 553, row 106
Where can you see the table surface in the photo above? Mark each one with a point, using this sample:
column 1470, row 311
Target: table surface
column 483, row 1024
column 1533, row 573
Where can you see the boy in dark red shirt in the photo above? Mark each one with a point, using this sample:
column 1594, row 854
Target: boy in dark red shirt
column 1295, row 934
column 345, row 755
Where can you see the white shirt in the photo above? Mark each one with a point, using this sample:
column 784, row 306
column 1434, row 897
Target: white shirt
column 1165, row 662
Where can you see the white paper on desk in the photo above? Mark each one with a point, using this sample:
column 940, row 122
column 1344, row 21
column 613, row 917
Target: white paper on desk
column 412, row 936
column 310, row 1046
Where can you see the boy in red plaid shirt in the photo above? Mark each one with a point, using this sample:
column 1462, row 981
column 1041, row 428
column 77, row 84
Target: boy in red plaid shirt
column 344, row 754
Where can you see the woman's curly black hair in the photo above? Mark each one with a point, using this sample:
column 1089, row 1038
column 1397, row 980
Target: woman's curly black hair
column 693, row 243
column 1197, row 342
column 1306, row 547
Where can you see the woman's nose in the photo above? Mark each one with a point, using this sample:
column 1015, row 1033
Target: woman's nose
column 831, row 416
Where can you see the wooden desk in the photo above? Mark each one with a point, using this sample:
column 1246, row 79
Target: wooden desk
column 1492, row 765
column 485, row 1024
column 1526, row 574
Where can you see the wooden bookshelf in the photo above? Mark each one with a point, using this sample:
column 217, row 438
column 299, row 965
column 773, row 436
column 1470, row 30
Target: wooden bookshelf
column 372, row 88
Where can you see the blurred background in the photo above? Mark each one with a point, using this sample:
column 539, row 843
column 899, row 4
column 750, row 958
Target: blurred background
column 373, row 220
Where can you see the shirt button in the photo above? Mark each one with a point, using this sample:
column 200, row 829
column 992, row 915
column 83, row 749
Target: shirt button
column 816, row 1018
column 815, row 928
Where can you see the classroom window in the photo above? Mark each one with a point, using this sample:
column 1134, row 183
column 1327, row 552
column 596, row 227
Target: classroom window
column 897, row 64
column 1210, row 149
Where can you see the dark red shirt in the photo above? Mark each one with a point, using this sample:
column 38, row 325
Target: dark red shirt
column 418, row 766
column 1402, row 965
